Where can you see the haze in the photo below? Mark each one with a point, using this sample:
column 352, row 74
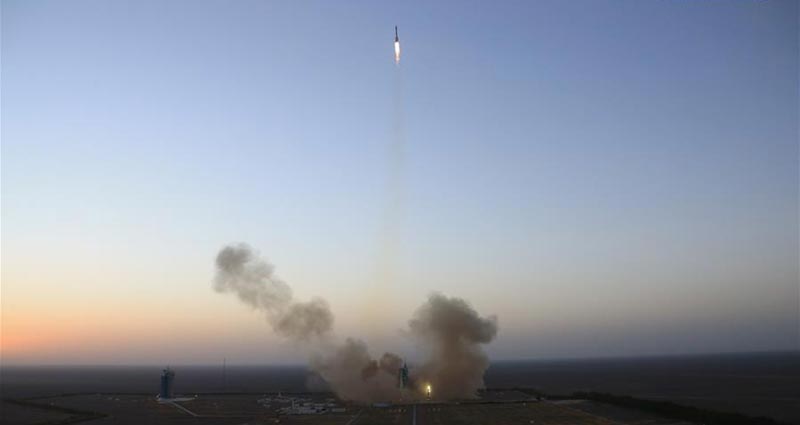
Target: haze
column 607, row 177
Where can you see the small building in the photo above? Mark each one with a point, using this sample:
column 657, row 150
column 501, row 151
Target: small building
column 167, row 382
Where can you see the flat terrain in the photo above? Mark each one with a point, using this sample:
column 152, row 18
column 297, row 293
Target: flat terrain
column 13, row 414
column 505, row 414
column 753, row 384
column 251, row 409
column 619, row 415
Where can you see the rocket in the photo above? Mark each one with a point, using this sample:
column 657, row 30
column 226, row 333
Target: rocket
column 396, row 46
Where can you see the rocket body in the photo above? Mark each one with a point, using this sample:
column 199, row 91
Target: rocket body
column 396, row 47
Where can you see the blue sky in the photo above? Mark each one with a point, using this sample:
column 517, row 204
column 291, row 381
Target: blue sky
column 608, row 177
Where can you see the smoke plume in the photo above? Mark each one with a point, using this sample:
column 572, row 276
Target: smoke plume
column 353, row 374
column 448, row 330
column 253, row 280
column 453, row 333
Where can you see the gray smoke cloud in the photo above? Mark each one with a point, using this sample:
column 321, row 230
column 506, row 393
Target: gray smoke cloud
column 352, row 373
column 449, row 331
column 453, row 333
column 241, row 271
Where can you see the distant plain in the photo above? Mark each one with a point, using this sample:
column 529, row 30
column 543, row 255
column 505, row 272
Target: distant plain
column 756, row 384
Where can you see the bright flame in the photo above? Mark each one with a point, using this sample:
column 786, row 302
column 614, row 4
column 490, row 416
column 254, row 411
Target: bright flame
column 428, row 390
column 396, row 52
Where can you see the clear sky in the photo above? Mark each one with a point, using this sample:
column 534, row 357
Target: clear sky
column 608, row 177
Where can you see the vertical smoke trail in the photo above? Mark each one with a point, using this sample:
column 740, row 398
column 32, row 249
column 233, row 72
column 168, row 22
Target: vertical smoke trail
column 394, row 212
column 388, row 261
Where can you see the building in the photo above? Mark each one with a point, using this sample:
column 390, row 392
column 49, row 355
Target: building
column 167, row 382
column 402, row 376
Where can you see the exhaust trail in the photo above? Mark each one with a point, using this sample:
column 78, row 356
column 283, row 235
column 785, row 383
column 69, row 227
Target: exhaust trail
column 388, row 264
